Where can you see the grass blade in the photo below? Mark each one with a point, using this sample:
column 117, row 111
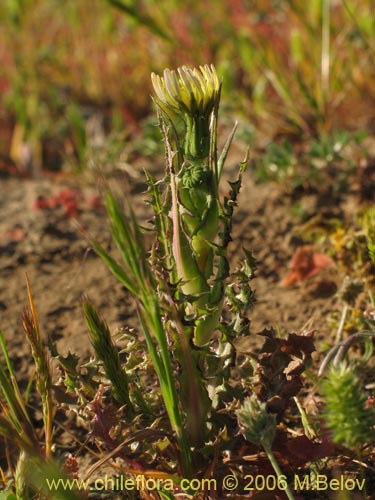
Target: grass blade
column 143, row 19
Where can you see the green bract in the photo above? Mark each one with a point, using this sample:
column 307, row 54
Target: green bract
column 257, row 425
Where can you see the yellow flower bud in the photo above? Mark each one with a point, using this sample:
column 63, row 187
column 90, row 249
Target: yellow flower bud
column 187, row 90
column 192, row 94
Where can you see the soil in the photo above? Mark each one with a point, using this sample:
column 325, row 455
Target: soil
column 46, row 224
column 43, row 238
column 53, row 250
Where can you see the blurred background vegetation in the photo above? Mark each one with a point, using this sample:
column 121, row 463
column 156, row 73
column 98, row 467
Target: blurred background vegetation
column 75, row 74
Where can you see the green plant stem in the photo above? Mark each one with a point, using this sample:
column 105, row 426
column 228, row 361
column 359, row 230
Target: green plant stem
column 141, row 18
column 342, row 322
column 15, row 417
column 337, row 353
column 136, row 275
column 309, row 431
column 325, row 52
column 151, row 321
column 278, row 471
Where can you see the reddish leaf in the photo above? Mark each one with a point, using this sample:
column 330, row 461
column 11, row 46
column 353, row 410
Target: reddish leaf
column 14, row 235
column 41, row 203
column 304, row 265
column 303, row 450
column 66, row 198
column 94, row 202
column 104, row 418
column 280, row 365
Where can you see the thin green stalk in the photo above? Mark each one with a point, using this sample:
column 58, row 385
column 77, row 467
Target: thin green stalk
column 309, row 431
column 163, row 368
column 15, row 415
column 284, row 92
column 125, row 235
column 278, row 471
column 142, row 18
column 259, row 427
column 117, row 270
column 325, row 52
column 340, row 328
column 336, row 354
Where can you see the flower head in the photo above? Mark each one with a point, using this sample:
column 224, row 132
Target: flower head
column 256, row 424
column 187, row 90
column 190, row 93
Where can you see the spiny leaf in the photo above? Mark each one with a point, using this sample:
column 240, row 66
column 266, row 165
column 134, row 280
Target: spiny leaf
column 224, row 153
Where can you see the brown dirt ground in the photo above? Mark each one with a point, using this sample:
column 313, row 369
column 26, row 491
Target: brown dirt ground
column 54, row 251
